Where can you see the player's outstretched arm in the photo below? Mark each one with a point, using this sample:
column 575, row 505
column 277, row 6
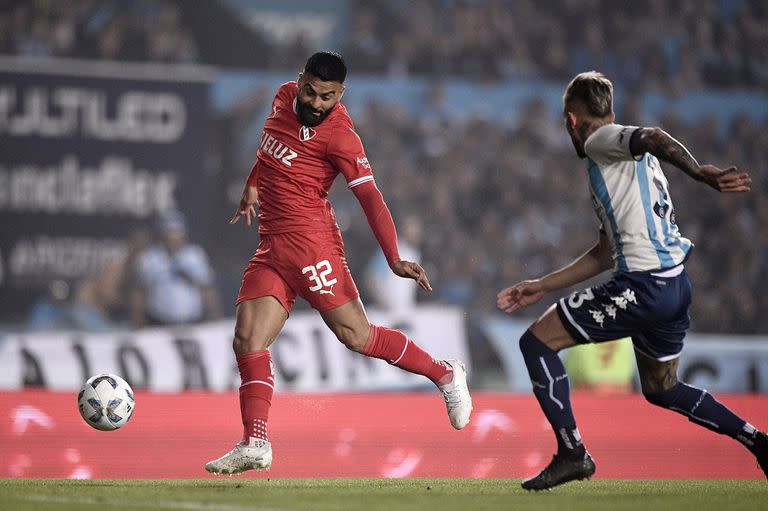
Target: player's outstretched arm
column 593, row 262
column 383, row 227
column 249, row 201
column 660, row 144
column 520, row 295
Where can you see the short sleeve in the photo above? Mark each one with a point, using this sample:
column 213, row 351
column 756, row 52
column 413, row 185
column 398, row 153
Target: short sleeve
column 610, row 143
column 282, row 96
column 282, row 99
column 346, row 154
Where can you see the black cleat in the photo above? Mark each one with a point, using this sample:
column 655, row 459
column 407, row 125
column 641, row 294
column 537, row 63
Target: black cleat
column 760, row 450
column 561, row 470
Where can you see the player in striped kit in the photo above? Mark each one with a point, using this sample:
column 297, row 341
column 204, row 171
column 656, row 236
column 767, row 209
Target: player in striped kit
column 308, row 140
column 647, row 297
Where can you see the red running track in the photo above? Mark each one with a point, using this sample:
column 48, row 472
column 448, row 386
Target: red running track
column 365, row 435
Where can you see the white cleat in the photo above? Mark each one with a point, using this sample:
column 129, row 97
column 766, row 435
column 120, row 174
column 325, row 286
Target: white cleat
column 456, row 394
column 256, row 455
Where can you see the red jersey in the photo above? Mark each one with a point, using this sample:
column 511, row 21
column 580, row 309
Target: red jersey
column 297, row 165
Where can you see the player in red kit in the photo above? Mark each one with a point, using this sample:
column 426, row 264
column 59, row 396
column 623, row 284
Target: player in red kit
column 308, row 140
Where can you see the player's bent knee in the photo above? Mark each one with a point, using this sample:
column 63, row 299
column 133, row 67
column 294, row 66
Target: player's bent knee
column 550, row 331
column 525, row 341
column 243, row 343
column 351, row 338
column 353, row 343
column 239, row 342
column 530, row 344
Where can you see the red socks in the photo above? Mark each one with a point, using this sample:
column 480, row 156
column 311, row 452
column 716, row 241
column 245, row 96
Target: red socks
column 258, row 379
column 258, row 384
column 398, row 350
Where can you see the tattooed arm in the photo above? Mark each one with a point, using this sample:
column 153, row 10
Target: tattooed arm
column 660, row 144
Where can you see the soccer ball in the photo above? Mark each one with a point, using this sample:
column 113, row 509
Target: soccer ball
column 106, row 402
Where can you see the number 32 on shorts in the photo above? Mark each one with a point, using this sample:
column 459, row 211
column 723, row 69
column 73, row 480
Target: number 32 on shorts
column 318, row 276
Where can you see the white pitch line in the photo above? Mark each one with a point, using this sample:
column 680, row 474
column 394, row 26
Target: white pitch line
column 146, row 504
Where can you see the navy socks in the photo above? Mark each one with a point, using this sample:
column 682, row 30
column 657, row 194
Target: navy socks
column 703, row 409
column 552, row 390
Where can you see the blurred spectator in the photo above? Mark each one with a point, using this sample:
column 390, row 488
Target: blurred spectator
column 142, row 30
column 57, row 311
column 108, row 291
column 167, row 41
column 720, row 44
column 174, row 279
column 683, row 44
column 385, row 289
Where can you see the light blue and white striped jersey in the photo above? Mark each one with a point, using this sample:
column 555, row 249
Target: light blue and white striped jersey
column 632, row 201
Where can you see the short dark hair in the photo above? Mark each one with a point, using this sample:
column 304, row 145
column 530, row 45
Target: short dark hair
column 593, row 90
column 327, row 65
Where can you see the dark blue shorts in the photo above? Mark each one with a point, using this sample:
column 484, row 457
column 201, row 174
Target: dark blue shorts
column 651, row 309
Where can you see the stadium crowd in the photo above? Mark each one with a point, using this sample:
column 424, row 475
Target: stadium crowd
column 499, row 203
column 688, row 44
column 145, row 30
column 503, row 203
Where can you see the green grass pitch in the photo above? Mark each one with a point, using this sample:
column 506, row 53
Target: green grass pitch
column 245, row 494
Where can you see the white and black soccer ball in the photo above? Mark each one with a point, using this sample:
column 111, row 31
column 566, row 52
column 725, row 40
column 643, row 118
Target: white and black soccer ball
column 106, row 402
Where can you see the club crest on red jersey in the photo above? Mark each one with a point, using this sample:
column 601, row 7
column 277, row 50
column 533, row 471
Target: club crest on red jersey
column 306, row 133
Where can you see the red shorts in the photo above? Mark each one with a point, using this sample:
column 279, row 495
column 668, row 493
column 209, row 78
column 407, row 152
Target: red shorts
column 309, row 264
